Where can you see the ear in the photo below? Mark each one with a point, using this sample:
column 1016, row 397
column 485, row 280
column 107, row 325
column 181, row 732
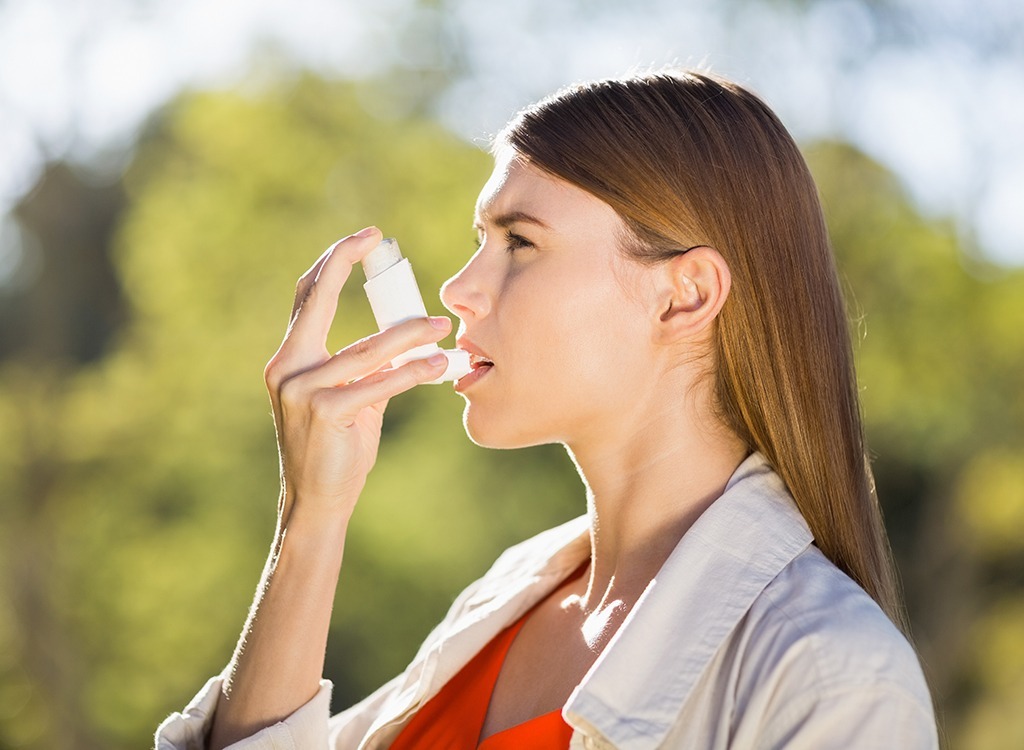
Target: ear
column 693, row 288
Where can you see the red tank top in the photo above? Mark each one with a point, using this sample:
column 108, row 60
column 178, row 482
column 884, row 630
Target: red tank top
column 453, row 718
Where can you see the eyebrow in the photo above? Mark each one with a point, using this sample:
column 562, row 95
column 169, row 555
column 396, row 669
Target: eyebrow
column 504, row 221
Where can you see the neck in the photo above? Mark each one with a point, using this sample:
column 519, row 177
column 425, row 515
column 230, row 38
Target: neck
column 643, row 494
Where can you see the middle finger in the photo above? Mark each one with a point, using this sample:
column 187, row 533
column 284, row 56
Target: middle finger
column 370, row 354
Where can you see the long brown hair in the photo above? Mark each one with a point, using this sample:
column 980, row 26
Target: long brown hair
column 689, row 159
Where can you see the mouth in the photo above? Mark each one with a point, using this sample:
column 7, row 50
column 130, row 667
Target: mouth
column 476, row 361
column 480, row 362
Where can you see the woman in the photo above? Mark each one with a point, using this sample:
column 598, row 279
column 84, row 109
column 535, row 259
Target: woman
column 654, row 289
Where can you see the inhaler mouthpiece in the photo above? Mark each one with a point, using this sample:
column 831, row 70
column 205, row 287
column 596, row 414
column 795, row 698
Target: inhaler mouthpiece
column 395, row 298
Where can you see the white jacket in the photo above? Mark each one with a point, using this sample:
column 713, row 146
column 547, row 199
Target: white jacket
column 748, row 637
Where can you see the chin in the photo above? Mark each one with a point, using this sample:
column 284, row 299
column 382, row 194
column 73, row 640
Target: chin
column 498, row 434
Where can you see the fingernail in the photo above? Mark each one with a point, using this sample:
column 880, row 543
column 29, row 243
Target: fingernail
column 440, row 322
column 365, row 232
column 436, row 359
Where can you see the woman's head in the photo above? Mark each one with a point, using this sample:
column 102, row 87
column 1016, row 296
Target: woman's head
column 688, row 160
column 685, row 159
column 548, row 300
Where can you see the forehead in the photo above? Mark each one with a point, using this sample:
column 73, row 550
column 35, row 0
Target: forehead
column 517, row 187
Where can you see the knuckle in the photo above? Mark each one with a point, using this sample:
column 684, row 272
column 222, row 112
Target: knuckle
column 376, row 378
column 319, row 405
column 363, row 349
column 423, row 370
column 305, row 287
column 409, row 375
column 326, row 408
column 290, row 391
column 272, row 374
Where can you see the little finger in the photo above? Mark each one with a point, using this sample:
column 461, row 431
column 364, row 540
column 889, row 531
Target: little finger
column 385, row 384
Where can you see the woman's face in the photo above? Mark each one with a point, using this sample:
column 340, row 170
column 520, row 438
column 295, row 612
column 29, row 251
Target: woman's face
column 549, row 299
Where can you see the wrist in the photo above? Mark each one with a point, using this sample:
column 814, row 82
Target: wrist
column 327, row 514
column 315, row 527
column 301, row 530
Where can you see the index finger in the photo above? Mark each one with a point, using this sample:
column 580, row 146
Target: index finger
column 316, row 298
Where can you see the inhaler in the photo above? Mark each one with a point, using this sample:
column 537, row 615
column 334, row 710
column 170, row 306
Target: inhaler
column 395, row 298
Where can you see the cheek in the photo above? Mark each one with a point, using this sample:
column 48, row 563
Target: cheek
column 527, row 401
column 570, row 354
column 582, row 341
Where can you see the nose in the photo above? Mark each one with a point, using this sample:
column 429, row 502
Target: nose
column 464, row 294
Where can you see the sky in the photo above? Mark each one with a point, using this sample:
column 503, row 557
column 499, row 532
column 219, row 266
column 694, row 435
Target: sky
column 934, row 89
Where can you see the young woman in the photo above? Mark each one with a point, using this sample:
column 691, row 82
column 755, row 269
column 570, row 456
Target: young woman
column 654, row 289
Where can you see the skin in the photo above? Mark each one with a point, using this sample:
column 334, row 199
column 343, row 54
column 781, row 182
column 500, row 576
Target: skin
column 584, row 339
column 591, row 350
column 328, row 411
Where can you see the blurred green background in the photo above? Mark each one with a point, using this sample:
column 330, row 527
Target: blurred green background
column 149, row 282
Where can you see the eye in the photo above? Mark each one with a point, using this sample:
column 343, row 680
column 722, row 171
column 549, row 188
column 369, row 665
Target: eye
column 515, row 242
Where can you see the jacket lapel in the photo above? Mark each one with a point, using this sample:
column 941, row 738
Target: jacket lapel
column 634, row 692
column 521, row 577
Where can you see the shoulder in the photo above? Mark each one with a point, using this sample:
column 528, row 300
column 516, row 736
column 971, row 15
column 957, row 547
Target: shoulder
column 814, row 612
column 815, row 650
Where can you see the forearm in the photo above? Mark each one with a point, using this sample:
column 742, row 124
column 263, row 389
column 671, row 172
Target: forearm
column 328, row 409
column 279, row 659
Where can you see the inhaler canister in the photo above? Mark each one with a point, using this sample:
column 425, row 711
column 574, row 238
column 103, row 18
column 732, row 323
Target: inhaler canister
column 395, row 298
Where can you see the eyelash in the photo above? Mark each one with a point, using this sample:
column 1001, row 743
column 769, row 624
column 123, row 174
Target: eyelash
column 513, row 242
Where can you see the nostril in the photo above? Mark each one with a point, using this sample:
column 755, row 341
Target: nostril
column 459, row 300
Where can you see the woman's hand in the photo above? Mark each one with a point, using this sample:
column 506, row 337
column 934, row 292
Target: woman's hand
column 328, row 409
column 328, row 412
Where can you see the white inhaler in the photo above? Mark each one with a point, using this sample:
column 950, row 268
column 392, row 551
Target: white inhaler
column 395, row 298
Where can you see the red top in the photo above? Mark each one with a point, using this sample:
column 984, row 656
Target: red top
column 454, row 717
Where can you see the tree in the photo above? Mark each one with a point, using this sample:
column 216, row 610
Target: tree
column 140, row 488
column 940, row 359
column 160, row 484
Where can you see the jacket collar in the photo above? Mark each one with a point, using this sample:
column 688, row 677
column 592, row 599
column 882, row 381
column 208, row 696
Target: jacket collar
column 522, row 576
column 635, row 690
column 633, row 693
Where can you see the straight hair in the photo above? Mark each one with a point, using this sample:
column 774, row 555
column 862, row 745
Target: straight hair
column 688, row 159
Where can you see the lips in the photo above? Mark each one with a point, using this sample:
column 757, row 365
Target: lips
column 478, row 360
column 477, row 356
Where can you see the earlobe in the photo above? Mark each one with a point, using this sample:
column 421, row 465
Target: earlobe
column 696, row 286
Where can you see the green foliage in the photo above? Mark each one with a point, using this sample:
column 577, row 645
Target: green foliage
column 160, row 492
column 140, row 492
column 997, row 651
column 921, row 323
column 940, row 360
column 990, row 501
